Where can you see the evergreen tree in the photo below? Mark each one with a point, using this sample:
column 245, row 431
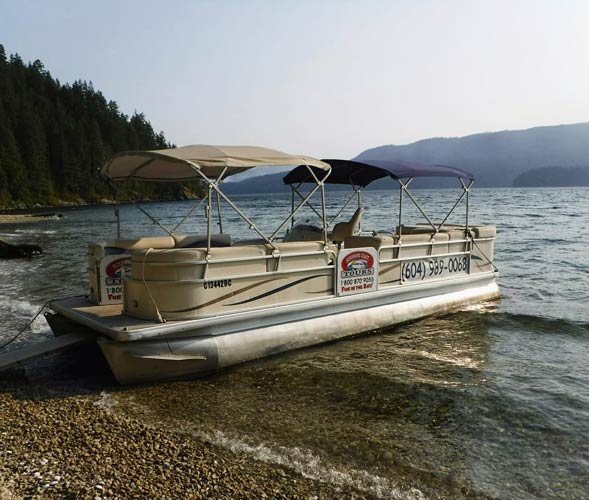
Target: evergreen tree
column 18, row 181
column 54, row 138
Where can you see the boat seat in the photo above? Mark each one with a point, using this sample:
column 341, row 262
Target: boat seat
column 200, row 241
column 423, row 250
column 180, row 264
column 102, row 254
column 112, row 247
column 376, row 242
column 416, row 229
column 484, row 231
column 455, row 233
column 343, row 229
column 455, row 230
column 252, row 241
column 304, row 232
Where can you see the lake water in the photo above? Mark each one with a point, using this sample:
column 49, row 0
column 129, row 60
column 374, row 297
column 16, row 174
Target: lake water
column 490, row 402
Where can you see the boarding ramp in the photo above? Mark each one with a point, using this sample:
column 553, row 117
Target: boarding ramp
column 38, row 350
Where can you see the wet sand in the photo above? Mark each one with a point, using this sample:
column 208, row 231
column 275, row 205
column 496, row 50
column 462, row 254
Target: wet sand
column 70, row 446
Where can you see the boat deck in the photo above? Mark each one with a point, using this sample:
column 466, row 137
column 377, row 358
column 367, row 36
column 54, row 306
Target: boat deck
column 106, row 319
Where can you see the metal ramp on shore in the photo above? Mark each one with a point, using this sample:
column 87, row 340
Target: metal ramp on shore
column 41, row 349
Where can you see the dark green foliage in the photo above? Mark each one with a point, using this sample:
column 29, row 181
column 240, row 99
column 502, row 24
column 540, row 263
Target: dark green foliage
column 54, row 138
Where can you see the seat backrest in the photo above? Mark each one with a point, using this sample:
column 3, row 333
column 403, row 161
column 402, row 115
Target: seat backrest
column 375, row 242
column 343, row 229
column 200, row 241
column 484, row 231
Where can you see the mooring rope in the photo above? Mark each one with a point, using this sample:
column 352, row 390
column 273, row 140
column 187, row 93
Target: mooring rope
column 489, row 261
column 23, row 329
column 31, row 321
column 157, row 311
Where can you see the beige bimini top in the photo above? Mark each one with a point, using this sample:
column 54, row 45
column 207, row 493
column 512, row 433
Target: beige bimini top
column 181, row 164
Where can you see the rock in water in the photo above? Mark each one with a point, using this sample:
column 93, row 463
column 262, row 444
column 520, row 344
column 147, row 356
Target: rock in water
column 10, row 251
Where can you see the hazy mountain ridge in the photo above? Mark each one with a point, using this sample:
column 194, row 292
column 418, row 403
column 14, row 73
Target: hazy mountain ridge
column 497, row 159
column 553, row 177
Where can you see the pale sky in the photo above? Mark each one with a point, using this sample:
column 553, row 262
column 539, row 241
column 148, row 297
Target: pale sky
column 323, row 78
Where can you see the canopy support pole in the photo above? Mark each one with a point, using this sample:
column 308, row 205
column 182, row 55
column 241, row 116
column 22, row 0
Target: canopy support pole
column 404, row 188
column 307, row 198
column 352, row 196
column 323, row 218
column 197, row 204
column 118, row 217
column 292, row 193
column 308, row 204
column 467, row 189
column 219, row 217
column 213, row 185
column 208, row 215
column 155, row 221
column 359, row 191
column 464, row 192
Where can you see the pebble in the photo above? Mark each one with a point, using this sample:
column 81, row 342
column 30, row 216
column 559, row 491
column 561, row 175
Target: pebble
column 105, row 456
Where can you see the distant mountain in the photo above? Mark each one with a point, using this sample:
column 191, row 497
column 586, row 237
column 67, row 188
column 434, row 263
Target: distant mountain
column 496, row 158
column 269, row 183
column 272, row 183
column 553, row 177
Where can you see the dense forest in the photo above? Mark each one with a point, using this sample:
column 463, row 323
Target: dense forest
column 54, row 138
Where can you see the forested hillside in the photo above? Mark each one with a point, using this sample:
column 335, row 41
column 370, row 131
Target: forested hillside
column 553, row 177
column 54, row 138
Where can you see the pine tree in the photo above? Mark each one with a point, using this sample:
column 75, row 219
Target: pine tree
column 18, row 181
column 54, row 138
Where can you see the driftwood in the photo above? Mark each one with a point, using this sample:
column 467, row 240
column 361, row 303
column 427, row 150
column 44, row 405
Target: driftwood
column 24, row 250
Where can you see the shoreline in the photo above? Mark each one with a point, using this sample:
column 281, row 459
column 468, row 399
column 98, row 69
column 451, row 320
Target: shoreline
column 18, row 218
column 49, row 212
column 56, row 444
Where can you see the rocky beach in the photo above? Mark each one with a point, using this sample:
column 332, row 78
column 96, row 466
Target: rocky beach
column 59, row 444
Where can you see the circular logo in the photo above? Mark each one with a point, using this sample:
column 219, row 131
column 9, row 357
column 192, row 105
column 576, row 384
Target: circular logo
column 117, row 267
column 356, row 261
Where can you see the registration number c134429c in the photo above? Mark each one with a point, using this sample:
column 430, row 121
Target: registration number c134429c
column 434, row 268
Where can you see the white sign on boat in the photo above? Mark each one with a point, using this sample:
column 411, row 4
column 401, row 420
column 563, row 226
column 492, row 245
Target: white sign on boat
column 113, row 268
column 357, row 271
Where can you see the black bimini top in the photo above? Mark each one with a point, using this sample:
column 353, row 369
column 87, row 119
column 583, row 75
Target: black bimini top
column 362, row 173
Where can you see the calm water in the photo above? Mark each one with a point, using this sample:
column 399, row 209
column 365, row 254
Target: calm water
column 490, row 402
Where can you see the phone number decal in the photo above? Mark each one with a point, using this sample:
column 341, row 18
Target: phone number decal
column 432, row 268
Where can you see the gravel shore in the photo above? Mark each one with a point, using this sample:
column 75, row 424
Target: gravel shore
column 12, row 218
column 56, row 446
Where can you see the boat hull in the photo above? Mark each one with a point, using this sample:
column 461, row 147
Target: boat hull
column 193, row 354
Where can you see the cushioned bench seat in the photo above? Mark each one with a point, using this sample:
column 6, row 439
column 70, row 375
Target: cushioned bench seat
column 180, row 264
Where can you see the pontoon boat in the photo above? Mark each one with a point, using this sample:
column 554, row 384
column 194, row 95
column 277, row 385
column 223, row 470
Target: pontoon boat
column 181, row 305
